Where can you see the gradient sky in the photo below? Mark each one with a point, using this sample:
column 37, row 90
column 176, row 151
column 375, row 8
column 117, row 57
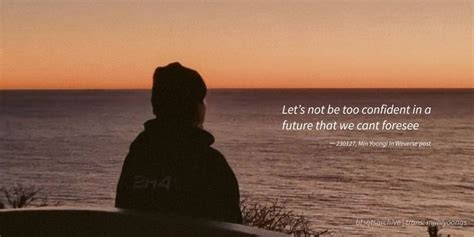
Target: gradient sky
column 237, row 44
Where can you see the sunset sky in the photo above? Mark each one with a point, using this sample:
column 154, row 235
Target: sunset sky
column 237, row 44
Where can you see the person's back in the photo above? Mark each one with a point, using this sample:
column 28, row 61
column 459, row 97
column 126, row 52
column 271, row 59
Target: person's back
column 171, row 167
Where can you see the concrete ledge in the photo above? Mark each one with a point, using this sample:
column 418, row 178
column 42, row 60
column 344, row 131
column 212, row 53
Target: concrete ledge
column 114, row 222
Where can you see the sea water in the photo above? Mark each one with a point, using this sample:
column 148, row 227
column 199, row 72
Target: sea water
column 72, row 144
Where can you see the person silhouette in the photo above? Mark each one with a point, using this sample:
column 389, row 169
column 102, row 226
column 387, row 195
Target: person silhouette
column 171, row 166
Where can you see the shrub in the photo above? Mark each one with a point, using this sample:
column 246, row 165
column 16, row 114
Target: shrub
column 275, row 217
column 433, row 230
column 19, row 196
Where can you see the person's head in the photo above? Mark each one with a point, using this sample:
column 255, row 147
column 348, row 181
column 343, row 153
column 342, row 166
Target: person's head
column 178, row 95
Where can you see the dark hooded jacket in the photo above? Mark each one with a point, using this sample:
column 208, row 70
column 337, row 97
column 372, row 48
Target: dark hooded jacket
column 171, row 168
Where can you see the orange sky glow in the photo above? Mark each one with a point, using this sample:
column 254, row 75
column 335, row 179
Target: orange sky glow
column 72, row 44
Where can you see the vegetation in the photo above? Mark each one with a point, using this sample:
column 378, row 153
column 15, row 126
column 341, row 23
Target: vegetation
column 19, row 196
column 433, row 230
column 271, row 216
column 275, row 217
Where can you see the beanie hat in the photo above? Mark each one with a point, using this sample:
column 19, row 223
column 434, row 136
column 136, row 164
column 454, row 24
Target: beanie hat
column 176, row 90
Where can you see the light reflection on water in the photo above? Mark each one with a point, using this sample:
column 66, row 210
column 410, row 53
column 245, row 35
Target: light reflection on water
column 73, row 144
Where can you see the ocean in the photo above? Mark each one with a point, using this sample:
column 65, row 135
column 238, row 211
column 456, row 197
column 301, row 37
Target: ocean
column 72, row 143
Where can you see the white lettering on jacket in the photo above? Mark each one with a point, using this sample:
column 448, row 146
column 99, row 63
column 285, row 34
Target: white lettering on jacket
column 143, row 182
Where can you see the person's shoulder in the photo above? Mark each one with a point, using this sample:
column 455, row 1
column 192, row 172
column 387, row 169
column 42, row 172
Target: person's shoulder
column 217, row 159
column 140, row 147
column 215, row 155
column 221, row 170
column 140, row 140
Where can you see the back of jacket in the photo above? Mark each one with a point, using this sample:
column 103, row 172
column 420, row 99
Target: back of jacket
column 172, row 169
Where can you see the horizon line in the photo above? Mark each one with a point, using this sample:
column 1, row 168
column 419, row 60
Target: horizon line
column 246, row 88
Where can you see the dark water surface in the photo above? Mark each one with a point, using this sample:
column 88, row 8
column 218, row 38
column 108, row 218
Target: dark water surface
column 72, row 143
